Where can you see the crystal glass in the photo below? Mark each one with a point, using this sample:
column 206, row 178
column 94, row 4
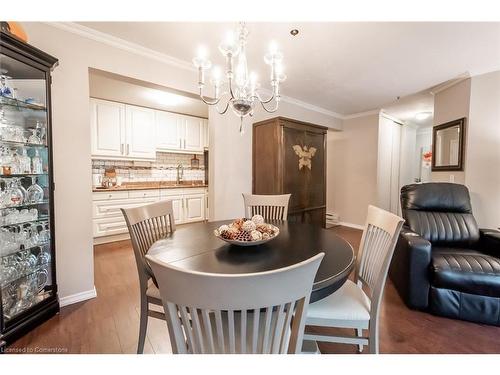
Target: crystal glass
column 36, row 161
column 34, row 192
column 34, row 138
column 41, row 130
column 5, row 90
column 14, row 195
column 43, row 257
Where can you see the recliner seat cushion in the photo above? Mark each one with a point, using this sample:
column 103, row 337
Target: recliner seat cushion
column 465, row 270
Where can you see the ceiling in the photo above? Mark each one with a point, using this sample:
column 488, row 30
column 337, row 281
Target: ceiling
column 344, row 67
column 405, row 109
column 110, row 86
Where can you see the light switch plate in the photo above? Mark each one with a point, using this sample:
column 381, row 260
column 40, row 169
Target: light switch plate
column 452, row 178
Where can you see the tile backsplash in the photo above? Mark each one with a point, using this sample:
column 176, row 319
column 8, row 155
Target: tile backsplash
column 163, row 169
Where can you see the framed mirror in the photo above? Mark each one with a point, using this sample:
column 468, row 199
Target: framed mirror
column 448, row 146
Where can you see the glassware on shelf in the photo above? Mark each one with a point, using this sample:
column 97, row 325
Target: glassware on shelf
column 14, row 216
column 43, row 257
column 24, row 162
column 13, row 195
column 36, row 162
column 34, row 192
column 34, row 138
column 42, row 131
column 5, row 90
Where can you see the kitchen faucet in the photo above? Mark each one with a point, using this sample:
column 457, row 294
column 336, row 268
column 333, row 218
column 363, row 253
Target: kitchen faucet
column 180, row 173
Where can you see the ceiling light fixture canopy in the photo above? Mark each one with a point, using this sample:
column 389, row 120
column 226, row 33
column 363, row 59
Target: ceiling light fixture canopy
column 421, row 116
column 238, row 86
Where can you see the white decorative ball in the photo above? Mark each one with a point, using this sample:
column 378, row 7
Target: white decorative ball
column 223, row 228
column 248, row 226
column 257, row 219
column 256, row 235
column 265, row 236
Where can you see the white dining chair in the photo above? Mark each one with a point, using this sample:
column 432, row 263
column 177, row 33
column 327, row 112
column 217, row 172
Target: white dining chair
column 350, row 306
column 236, row 313
column 146, row 225
column 271, row 207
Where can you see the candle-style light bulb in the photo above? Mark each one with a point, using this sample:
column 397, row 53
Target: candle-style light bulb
column 253, row 83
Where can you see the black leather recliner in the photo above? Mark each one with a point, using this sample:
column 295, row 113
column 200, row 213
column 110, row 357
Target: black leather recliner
column 443, row 263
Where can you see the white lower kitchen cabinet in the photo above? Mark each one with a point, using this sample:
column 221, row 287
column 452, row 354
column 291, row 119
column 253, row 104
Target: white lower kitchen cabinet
column 194, row 207
column 189, row 205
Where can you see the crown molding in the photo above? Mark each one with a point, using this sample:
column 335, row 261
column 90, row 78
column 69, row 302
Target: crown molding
column 361, row 114
column 122, row 44
column 311, row 107
column 446, row 85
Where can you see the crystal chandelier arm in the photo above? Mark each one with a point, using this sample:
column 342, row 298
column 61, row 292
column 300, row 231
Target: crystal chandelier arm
column 259, row 98
column 208, row 101
column 224, row 110
column 230, row 85
column 271, row 110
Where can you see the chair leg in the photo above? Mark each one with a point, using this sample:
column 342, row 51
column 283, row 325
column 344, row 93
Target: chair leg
column 373, row 340
column 143, row 325
column 359, row 333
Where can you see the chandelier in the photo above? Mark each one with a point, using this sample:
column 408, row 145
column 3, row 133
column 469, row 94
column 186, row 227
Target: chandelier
column 239, row 88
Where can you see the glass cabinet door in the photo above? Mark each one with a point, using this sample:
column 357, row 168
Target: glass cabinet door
column 26, row 264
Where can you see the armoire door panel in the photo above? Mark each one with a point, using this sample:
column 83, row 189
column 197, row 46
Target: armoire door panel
column 304, row 160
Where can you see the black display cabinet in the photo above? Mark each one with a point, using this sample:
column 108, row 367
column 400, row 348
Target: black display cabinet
column 27, row 243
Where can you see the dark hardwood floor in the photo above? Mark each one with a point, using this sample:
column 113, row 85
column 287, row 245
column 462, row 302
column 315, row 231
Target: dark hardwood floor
column 110, row 322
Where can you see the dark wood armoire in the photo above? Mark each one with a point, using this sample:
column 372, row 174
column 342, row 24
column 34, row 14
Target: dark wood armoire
column 289, row 156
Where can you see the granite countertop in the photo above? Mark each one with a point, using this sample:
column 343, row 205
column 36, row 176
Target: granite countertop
column 152, row 186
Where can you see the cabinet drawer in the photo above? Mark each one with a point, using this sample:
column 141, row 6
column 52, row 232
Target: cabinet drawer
column 144, row 194
column 109, row 226
column 170, row 192
column 191, row 191
column 110, row 208
column 109, row 195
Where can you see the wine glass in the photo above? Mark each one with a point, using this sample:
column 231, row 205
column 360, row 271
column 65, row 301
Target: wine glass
column 34, row 192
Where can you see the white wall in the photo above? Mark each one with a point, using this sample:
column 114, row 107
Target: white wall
column 482, row 168
column 423, row 141
column 352, row 168
column 230, row 154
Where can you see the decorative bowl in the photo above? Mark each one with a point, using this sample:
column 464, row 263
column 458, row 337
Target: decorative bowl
column 245, row 232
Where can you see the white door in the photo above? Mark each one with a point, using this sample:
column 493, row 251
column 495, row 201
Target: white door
column 168, row 130
column 141, row 135
column 107, row 124
column 194, row 207
column 193, row 134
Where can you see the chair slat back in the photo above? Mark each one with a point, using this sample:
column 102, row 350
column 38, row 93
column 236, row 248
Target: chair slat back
column 377, row 245
column 146, row 225
column 271, row 207
column 375, row 253
column 240, row 313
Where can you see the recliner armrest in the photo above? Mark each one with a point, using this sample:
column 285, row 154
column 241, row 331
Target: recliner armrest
column 489, row 241
column 410, row 268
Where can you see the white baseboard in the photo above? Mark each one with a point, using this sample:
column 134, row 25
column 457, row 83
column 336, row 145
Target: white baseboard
column 113, row 238
column 77, row 297
column 351, row 225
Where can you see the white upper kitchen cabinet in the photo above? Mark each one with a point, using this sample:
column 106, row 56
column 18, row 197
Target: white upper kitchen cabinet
column 206, row 130
column 169, row 128
column 107, row 128
column 140, row 133
column 194, row 132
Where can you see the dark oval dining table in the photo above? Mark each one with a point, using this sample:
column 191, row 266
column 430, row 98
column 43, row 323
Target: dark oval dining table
column 194, row 247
